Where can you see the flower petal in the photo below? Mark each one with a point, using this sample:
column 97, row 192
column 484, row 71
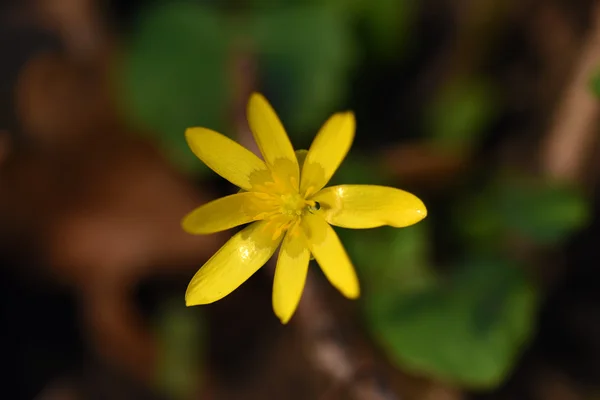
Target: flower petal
column 228, row 212
column 290, row 274
column 272, row 139
column 327, row 152
column 226, row 157
column 330, row 254
column 369, row 206
column 234, row 263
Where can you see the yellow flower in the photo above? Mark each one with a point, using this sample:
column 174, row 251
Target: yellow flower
column 283, row 197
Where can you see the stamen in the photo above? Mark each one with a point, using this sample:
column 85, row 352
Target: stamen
column 263, row 196
column 277, row 233
column 309, row 191
column 264, row 215
column 281, row 229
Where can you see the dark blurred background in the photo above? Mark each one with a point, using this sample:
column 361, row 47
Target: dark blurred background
column 488, row 110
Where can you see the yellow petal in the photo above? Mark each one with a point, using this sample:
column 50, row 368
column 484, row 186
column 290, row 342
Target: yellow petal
column 228, row 212
column 330, row 254
column 290, row 274
column 272, row 140
column 327, row 152
column 226, row 157
column 234, row 263
column 369, row 206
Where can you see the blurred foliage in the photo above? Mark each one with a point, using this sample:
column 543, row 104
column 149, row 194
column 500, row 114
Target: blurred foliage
column 308, row 50
column 460, row 113
column 389, row 22
column 176, row 70
column 180, row 337
column 392, row 261
column 174, row 75
column 544, row 212
column 468, row 331
column 359, row 169
column 468, row 326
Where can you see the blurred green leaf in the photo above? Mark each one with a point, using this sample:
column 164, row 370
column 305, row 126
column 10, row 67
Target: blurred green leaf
column 595, row 83
column 544, row 211
column 469, row 332
column 389, row 22
column 391, row 260
column 479, row 223
column 180, row 337
column 359, row 169
column 461, row 113
column 305, row 54
column 174, row 75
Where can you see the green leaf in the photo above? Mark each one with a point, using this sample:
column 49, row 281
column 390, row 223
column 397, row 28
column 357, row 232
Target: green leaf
column 470, row 332
column 544, row 211
column 479, row 223
column 391, row 260
column 306, row 53
column 359, row 169
column 180, row 338
column 460, row 114
column 389, row 23
column 174, row 75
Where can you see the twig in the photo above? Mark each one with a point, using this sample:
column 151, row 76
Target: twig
column 571, row 139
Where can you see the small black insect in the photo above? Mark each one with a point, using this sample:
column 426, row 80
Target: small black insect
column 314, row 208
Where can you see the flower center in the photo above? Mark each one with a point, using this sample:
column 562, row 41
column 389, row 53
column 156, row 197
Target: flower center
column 293, row 204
